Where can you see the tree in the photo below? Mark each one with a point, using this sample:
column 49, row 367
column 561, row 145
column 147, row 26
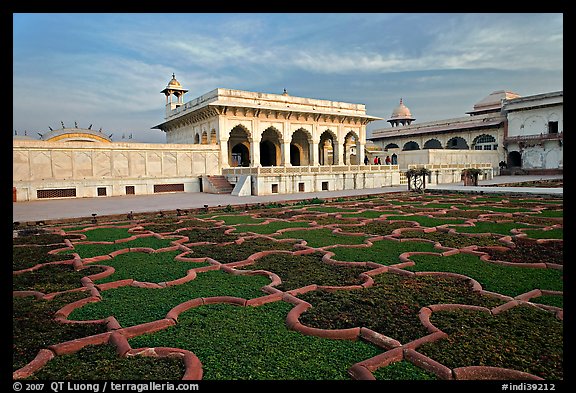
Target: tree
column 470, row 176
column 417, row 179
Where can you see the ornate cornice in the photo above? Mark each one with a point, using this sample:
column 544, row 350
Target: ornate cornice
column 210, row 111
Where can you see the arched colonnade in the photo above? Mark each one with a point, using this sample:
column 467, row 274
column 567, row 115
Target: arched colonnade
column 301, row 148
column 480, row 142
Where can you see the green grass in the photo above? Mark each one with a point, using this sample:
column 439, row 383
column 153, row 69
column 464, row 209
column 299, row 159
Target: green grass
column 253, row 343
column 550, row 300
column 367, row 214
column 502, row 228
column 52, row 278
column 507, row 280
column 402, row 371
column 386, row 252
column 238, row 252
column 212, row 235
column 330, row 209
column 105, row 234
column 322, row 237
column 433, row 205
column 166, row 227
column 88, row 250
column 551, row 213
column 238, row 219
column 490, row 199
column 498, row 209
column 522, row 338
column 452, row 239
column 297, row 271
column 24, row 257
column 426, row 221
column 98, row 362
column 126, row 305
column 271, row 227
column 235, row 342
column 377, row 228
column 43, row 239
column 144, row 267
column 556, row 233
column 539, row 201
column 34, row 327
column 390, row 306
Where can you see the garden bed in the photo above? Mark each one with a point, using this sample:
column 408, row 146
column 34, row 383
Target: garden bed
column 390, row 287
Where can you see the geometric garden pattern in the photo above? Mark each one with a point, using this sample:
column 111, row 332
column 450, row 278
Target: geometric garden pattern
column 396, row 286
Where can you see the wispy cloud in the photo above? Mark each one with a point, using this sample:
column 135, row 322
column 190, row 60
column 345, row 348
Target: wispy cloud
column 117, row 68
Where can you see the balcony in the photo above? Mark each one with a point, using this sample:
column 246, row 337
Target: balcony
column 534, row 139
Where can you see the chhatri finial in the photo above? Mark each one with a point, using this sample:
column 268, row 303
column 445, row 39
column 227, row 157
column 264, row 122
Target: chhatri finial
column 400, row 100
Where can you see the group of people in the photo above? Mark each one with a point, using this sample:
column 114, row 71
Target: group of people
column 378, row 160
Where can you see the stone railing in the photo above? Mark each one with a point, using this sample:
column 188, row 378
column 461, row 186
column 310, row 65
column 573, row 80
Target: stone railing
column 449, row 173
column 483, row 165
column 293, row 170
column 534, row 138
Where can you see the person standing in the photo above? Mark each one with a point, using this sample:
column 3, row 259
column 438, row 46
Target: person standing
column 366, row 160
column 376, row 160
column 379, row 161
column 387, row 160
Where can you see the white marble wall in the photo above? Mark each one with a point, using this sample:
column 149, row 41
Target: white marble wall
column 85, row 166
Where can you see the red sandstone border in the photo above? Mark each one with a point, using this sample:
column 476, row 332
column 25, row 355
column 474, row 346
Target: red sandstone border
column 363, row 370
column 360, row 369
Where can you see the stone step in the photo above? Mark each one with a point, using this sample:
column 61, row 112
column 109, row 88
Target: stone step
column 220, row 184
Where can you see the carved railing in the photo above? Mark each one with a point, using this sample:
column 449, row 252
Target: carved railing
column 295, row 170
column 535, row 138
column 482, row 165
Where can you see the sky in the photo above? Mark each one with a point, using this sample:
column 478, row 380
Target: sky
column 108, row 69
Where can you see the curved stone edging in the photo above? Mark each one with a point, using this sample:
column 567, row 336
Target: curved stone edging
column 491, row 373
column 361, row 370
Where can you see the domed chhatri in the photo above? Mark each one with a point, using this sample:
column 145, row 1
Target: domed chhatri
column 174, row 88
column 401, row 115
column 174, row 83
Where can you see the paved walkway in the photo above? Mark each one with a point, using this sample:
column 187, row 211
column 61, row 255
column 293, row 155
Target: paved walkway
column 59, row 209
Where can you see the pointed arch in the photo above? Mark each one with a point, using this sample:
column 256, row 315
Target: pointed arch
column 484, row 142
column 270, row 147
column 514, row 159
column 457, row 143
column 432, row 144
column 327, row 148
column 350, row 147
column 239, row 146
column 300, row 147
column 411, row 146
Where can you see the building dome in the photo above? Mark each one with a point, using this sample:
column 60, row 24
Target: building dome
column 174, row 87
column 76, row 135
column 401, row 115
column 492, row 103
column 174, row 83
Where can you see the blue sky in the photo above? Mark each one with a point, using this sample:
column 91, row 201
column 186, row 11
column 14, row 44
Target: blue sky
column 107, row 69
